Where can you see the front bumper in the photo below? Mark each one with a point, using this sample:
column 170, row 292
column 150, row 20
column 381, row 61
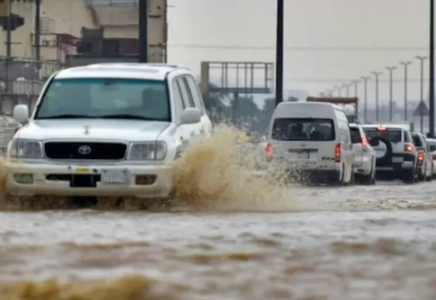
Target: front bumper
column 51, row 179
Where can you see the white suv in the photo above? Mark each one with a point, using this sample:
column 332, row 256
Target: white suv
column 364, row 156
column 106, row 130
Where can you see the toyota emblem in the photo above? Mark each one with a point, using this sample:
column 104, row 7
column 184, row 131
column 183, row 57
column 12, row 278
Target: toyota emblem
column 84, row 150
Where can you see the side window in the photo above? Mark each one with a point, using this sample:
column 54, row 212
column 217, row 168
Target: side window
column 188, row 90
column 178, row 101
column 184, row 92
column 196, row 96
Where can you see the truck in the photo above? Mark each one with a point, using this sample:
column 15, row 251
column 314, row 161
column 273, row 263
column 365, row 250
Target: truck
column 350, row 105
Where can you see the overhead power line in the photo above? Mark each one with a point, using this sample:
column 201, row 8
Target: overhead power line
column 297, row 48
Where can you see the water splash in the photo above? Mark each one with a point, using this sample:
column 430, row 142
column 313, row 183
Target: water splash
column 226, row 172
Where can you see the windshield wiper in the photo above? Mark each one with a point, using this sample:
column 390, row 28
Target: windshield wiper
column 129, row 117
column 67, row 116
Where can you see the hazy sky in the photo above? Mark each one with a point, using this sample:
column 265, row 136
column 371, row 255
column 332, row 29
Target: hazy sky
column 240, row 30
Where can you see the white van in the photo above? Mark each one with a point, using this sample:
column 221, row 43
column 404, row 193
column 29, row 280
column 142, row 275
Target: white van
column 313, row 140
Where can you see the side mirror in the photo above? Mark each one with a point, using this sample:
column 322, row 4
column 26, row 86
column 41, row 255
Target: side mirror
column 374, row 143
column 21, row 113
column 190, row 116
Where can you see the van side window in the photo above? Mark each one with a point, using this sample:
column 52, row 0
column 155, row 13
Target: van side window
column 184, row 92
column 196, row 96
column 178, row 101
column 184, row 83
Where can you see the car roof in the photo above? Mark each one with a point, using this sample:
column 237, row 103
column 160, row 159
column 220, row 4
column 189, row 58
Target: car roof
column 355, row 125
column 121, row 70
column 393, row 126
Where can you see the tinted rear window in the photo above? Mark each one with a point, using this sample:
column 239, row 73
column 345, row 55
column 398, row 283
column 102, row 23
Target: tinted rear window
column 299, row 129
column 393, row 135
column 355, row 135
column 417, row 141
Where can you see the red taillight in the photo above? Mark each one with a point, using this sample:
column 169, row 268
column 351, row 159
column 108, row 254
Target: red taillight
column 364, row 141
column 421, row 157
column 409, row 148
column 269, row 149
column 338, row 153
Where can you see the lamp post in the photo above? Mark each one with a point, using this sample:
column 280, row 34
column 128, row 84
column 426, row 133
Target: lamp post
column 422, row 59
column 338, row 88
column 347, row 89
column 365, row 103
column 432, row 75
column 279, row 51
column 391, row 101
column 405, row 64
column 356, row 83
column 377, row 75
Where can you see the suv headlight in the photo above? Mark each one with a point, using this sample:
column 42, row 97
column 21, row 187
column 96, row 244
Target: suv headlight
column 26, row 149
column 147, row 151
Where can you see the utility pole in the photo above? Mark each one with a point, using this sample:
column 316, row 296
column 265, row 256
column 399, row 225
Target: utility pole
column 356, row 83
column 338, row 88
column 8, row 45
column 143, row 31
column 432, row 75
column 365, row 103
column 279, row 51
column 37, row 30
column 376, row 74
column 422, row 59
column 347, row 89
column 391, row 101
column 405, row 64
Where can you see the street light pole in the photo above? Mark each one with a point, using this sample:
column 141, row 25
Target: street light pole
column 432, row 75
column 143, row 31
column 279, row 51
column 391, row 101
column 405, row 64
column 422, row 59
column 338, row 88
column 347, row 89
column 356, row 83
column 365, row 103
column 377, row 75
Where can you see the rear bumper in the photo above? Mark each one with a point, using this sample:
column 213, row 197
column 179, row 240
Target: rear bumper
column 398, row 163
column 315, row 175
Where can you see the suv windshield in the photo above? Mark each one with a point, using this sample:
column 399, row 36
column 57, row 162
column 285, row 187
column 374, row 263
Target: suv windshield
column 299, row 129
column 105, row 98
column 393, row 135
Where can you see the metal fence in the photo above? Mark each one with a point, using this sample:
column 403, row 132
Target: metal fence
column 21, row 81
column 23, row 77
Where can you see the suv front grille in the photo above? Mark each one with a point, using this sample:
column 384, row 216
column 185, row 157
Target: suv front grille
column 85, row 151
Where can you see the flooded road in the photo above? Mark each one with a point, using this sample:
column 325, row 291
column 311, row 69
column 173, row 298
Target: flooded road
column 335, row 243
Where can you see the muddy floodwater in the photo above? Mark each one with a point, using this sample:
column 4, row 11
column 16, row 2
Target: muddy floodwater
column 336, row 243
column 229, row 235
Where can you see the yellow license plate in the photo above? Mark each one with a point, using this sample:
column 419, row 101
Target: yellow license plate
column 82, row 171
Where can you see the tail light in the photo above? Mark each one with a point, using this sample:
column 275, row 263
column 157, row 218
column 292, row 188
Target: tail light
column 364, row 141
column 421, row 157
column 269, row 149
column 338, row 153
column 409, row 148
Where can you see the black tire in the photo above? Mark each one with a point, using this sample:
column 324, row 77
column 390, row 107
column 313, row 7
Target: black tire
column 410, row 177
column 421, row 176
column 370, row 178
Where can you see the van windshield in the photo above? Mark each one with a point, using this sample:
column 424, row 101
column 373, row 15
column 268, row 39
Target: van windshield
column 303, row 129
column 392, row 135
column 105, row 98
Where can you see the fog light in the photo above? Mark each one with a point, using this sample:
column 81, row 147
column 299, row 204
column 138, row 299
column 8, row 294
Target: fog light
column 23, row 178
column 145, row 179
